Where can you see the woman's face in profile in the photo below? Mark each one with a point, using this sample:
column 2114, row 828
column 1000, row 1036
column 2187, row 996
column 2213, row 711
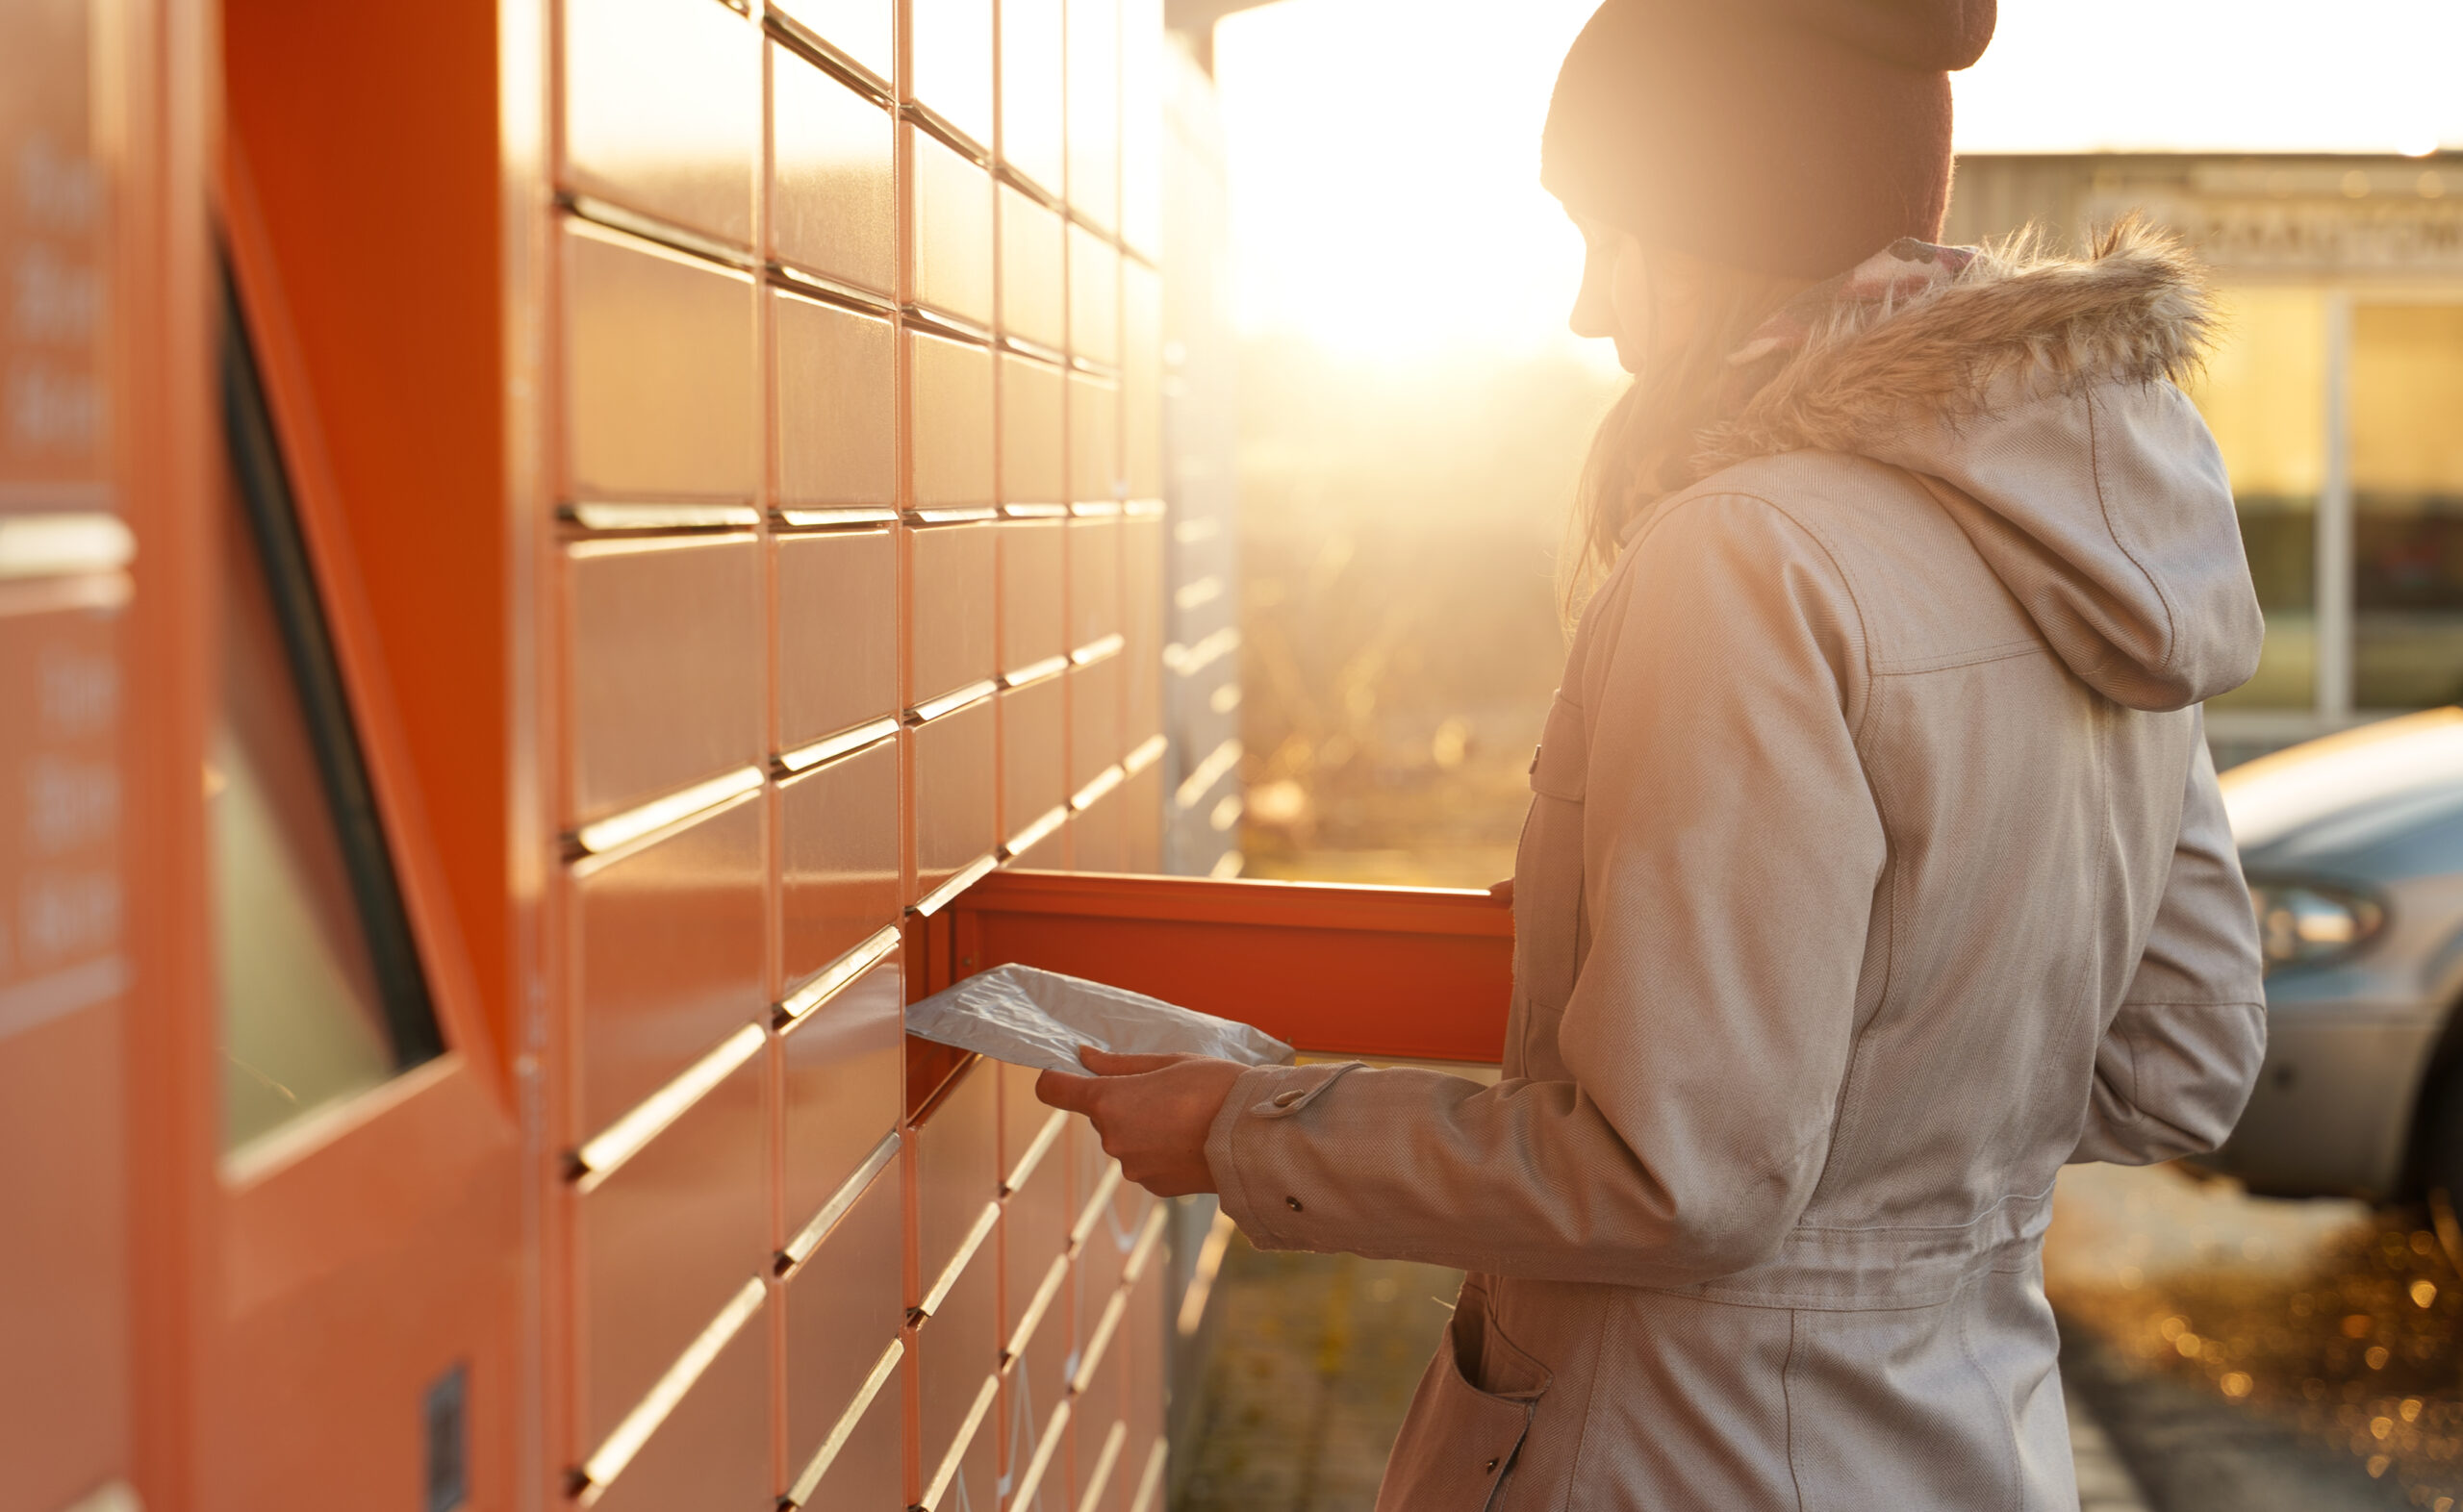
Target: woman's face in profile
column 1644, row 301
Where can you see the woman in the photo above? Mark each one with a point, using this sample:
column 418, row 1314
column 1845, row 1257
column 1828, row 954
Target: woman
column 1874, row 866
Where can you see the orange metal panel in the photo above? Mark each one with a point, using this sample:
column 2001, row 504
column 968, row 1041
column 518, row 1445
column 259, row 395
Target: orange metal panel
column 64, row 1389
column 1094, row 580
column 837, row 643
column 1095, row 1461
column 1032, row 433
column 89, row 750
column 1142, row 377
column 837, row 394
column 659, row 377
column 1142, row 561
column 1035, row 1223
column 1034, row 288
column 951, row 574
column 1415, row 973
column 1037, row 1383
column 957, row 1153
column 1094, row 297
column 1033, row 748
column 956, row 788
column 861, row 31
column 1023, row 1117
column 843, row 1097
column 1146, row 1387
column 951, row 62
column 1032, row 625
column 663, row 1244
column 1051, row 853
column 1106, row 1231
column 65, row 1386
column 1094, row 110
column 1032, row 44
column 1036, row 1227
column 1090, row 1174
column 951, row 256
column 663, row 110
column 953, row 421
column 870, row 1470
column 1099, row 839
column 833, row 208
column 1142, row 801
column 712, row 1453
column 957, row 1350
column 838, row 858
column 977, row 1483
column 1094, row 719
column 1094, row 439
column 1142, row 85
column 361, row 1264
column 664, row 651
column 843, row 1309
column 391, row 409
column 668, row 941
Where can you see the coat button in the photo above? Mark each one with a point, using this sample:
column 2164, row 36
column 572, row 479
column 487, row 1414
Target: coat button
column 1292, row 1203
column 1490, row 1467
column 1285, row 1099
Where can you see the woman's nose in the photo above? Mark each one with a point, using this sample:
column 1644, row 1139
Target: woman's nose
column 1593, row 313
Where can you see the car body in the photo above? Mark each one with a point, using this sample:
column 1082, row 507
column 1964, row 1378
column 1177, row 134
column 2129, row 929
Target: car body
column 2354, row 848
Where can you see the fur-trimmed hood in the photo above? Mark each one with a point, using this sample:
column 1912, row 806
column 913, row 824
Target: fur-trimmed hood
column 2037, row 399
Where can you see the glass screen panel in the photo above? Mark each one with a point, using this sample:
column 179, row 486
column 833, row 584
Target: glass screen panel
column 2407, row 505
column 2264, row 394
column 320, row 989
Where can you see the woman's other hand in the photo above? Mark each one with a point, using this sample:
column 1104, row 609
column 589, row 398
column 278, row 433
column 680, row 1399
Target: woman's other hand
column 1152, row 1111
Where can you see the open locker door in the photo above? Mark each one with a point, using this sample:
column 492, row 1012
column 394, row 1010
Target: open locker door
column 1388, row 973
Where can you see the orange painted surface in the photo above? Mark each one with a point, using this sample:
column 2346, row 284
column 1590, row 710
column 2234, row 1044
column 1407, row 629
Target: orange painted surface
column 368, row 135
column 371, row 1251
column 1404, row 972
column 99, row 116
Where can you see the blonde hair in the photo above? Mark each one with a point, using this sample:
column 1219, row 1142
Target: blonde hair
column 1645, row 447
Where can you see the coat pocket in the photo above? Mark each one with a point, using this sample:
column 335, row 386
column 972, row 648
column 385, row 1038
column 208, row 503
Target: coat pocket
column 1474, row 1409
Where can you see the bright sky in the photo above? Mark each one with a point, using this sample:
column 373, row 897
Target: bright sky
column 1384, row 154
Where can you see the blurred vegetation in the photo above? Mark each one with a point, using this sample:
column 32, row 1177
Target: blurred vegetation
column 1399, row 535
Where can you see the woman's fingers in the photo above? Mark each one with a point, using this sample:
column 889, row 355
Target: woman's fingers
column 1071, row 1094
column 1152, row 1112
column 1104, row 1062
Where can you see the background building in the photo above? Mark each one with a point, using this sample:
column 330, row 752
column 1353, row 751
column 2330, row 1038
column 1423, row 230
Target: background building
column 2336, row 394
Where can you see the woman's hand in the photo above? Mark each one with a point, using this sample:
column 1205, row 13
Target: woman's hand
column 1152, row 1112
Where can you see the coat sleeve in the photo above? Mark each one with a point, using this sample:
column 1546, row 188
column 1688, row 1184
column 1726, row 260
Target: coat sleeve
column 2178, row 1063
column 1730, row 849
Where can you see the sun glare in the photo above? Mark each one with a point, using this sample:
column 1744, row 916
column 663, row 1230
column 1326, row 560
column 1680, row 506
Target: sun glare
column 1385, row 169
column 1384, row 154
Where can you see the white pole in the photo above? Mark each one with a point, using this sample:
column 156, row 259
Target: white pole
column 2334, row 551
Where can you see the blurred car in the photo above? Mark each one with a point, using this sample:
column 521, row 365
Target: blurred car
column 2353, row 847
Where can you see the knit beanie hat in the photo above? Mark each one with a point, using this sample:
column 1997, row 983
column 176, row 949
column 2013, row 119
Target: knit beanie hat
column 1791, row 137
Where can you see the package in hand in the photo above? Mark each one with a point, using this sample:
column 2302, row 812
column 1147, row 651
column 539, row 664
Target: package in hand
column 1035, row 1017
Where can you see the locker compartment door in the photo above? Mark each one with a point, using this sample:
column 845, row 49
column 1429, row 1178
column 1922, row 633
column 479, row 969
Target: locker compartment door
column 1401, row 974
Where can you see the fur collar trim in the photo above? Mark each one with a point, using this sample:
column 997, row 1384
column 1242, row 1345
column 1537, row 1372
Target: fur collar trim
column 1930, row 335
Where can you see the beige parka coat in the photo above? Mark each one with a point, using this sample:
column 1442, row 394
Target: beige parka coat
column 1874, row 870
